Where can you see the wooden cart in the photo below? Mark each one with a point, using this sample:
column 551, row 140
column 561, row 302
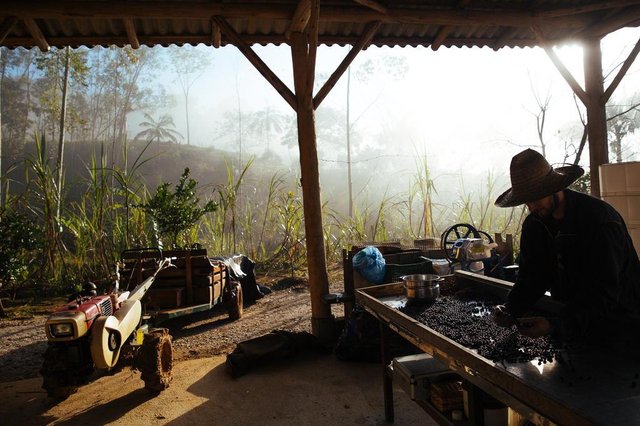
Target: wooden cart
column 194, row 283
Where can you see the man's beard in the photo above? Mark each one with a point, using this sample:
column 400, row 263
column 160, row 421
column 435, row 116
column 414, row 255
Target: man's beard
column 548, row 212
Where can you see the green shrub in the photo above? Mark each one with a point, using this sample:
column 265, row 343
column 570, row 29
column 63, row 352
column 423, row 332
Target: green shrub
column 176, row 212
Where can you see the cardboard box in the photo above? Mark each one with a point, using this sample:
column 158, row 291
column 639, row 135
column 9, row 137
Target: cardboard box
column 415, row 373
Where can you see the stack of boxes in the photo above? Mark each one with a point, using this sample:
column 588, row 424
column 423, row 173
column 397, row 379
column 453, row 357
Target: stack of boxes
column 620, row 187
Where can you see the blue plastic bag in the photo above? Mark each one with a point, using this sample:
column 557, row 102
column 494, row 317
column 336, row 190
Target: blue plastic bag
column 370, row 264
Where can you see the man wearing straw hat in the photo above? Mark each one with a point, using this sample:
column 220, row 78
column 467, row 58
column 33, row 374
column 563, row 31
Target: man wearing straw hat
column 573, row 245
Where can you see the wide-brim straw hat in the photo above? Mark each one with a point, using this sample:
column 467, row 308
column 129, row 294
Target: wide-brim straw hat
column 533, row 178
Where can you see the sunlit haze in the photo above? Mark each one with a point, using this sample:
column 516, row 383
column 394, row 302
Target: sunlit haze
column 468, row 109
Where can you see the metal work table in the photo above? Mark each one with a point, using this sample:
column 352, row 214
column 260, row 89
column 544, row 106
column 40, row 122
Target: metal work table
column 595, row 386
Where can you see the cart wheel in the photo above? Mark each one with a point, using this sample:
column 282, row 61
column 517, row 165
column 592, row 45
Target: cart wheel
column 234, row 300
column 156, row 360
column 453, row 234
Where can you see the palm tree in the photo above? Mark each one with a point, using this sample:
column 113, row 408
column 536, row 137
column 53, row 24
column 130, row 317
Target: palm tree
column 159, row 130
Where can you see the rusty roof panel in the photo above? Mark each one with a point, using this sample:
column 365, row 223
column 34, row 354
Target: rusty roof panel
column 495, row 23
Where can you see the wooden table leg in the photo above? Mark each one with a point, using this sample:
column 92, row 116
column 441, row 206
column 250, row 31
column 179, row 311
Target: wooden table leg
column 387, row 383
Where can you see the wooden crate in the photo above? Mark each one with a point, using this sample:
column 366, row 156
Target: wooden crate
column 161, row 298
column 203, row 295
column 447, row 395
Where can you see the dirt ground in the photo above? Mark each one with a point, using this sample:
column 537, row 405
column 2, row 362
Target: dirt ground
column 287, row 307
column 320, row 390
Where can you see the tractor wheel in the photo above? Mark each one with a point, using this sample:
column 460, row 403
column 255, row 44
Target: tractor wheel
column 59, row 379
column 156, row 360
column 234, row 300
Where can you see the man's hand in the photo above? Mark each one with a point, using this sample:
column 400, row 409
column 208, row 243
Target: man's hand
column 502, row 317
column 534, row 326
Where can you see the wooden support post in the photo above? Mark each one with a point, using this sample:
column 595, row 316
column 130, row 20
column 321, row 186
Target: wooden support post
column 594, row 99
column 321, row 320
column 347, row 276
column 596, row 113
column 387, row 382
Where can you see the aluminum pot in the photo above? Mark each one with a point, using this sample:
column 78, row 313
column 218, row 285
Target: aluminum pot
column 422, row 287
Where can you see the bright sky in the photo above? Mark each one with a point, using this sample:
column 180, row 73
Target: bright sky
column 470, row 109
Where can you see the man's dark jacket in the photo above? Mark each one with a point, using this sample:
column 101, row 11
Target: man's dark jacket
column 587, row 261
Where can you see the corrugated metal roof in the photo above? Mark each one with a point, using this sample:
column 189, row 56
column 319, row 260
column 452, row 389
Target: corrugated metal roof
column 493, row 23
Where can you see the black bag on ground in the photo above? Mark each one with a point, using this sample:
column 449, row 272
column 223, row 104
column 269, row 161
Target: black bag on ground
column 273, row 347
column 241, row 269
column 360, row 339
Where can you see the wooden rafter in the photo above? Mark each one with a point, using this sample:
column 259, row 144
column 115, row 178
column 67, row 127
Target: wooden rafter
column 205, row 38
column 580, row 93
column 374, row 5
column 622, row 18
column 131, row 33
column 593, row 7
column 6, row 26
column 365, row 39
column 216, row 34
column 444, row 31
column 506, row 16
column 36, row 34
column 504, row 38
column 262, row 68
column 621, row 73
column 300, row 18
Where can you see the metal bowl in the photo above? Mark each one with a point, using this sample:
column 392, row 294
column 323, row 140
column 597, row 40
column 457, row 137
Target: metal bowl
column 422, row 287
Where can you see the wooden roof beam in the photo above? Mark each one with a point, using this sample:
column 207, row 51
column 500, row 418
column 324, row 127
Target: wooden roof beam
column 36, row 34
column 444, row 31
column 580, row 93
column 131, row 33
column 594, row 7
column 216, row 34
column 262, row 68
column 625, row 16
column 374, row 5
column 364, row 40
column 300, row 18
column 504, row 37
column 205, row 38
column 6, row 26
column 70, row 9
column 621, row 73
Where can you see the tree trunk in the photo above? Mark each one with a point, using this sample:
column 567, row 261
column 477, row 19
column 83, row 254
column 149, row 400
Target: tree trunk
column 349, row 143
column 63, row 111
column 2, row 175
column 186, row 113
